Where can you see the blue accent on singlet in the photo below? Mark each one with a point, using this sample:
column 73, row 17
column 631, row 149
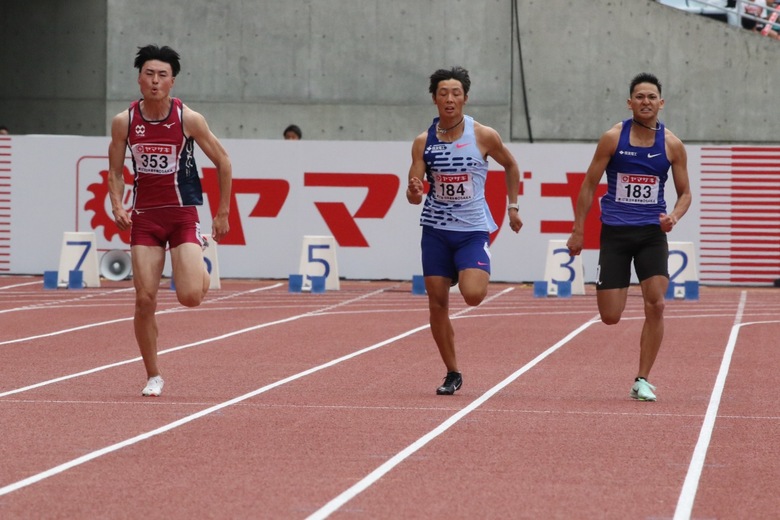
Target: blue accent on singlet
column 459, row 157
column 627, row 159
column 187, row 178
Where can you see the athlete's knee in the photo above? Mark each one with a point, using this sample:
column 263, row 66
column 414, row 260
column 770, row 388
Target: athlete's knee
column 655, row 308
column 473, row 299
column 610, row 318
column 145, row 303
column 191, row 299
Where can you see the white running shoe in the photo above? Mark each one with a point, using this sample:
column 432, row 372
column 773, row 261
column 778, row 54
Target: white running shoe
column 153, row 387
column 642, row 391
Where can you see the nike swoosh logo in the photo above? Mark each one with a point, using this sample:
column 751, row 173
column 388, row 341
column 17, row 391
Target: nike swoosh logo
column 461, row 145
column 481, row 263
column 651, row 155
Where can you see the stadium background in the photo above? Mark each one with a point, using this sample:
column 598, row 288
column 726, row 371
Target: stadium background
column 358, row 69
column 354, row 75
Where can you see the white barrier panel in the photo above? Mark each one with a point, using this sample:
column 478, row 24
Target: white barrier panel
column 682, row 267
column 212, row 263
column 318, row 258
column 561, row 267
column 79, row 253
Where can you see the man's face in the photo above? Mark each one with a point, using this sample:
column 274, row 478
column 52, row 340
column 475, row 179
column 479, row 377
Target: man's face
column 450, row 98
column 645, row 101
column 156, row 79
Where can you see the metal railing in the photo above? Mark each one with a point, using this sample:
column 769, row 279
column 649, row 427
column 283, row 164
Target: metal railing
column 735, row 14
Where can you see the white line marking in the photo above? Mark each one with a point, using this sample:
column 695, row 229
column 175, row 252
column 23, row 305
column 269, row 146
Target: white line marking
column 182, row 347
column 138, row 438
column 170, row 426
column 691, row 484
column 39, row 282
column 118, row 320
column 382, row 470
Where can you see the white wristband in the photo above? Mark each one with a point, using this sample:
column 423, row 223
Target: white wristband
column 513, row 206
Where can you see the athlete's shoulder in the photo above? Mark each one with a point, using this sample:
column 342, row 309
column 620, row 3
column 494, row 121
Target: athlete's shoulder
column 671, row 137
column 486, row 134
column 120, row 124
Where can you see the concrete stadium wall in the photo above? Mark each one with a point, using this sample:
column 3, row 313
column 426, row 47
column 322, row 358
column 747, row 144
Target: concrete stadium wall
column 358, row 69
column 53, row 66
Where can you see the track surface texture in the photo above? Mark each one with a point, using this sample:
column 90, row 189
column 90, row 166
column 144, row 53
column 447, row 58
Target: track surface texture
column 300, row 405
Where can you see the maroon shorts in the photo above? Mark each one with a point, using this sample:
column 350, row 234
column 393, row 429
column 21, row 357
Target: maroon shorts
column 165, row 226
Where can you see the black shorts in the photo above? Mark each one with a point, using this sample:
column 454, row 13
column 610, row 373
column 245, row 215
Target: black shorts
column 645, row 245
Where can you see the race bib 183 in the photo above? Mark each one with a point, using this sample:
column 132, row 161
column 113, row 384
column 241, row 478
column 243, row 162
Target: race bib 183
column 633, row 188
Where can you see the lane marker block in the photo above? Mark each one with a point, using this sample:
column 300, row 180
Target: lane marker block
column 691, row 290
column 79, row 253
column 295, row 283
column 317, row 284
column 75, row 279
column 540, row 289
column 318, row 258
column 560, row 265
column 418, row 284
column 50, row 279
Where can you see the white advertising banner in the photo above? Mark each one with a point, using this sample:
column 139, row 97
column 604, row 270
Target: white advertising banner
column 283, row 191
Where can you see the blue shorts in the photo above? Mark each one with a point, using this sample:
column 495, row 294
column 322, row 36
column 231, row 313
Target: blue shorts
column 447, row 253
column 159, row 227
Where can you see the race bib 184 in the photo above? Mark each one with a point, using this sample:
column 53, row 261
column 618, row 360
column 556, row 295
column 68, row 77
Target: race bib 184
column 454, row 186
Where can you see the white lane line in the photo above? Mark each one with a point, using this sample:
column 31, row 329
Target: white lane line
column 51, row 303
column 691, row 484
column 119, row 320
column 38, row 282
column 138, row 438
column 170, row 426
column 181, row 347
column 391, row 463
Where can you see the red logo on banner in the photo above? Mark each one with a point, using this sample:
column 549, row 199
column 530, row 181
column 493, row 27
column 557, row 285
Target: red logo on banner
column 571, row 190
column 271, row 195
column 101, row 201
column 382, row 191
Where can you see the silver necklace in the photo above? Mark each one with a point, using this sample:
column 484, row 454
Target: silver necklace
column 445, row 130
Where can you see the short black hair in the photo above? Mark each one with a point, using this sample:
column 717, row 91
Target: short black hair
column 294, row 129
column 643, row 77
column 456, row 72
column 153, row 52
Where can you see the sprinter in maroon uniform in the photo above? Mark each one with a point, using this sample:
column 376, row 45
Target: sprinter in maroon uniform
column 160, row 132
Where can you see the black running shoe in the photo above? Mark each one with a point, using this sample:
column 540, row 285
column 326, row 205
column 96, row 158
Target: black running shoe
column 452, row 382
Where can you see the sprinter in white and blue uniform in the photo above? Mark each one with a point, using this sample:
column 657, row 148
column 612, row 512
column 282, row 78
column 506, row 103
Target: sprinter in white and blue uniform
column 456, row 221
column 636, row 155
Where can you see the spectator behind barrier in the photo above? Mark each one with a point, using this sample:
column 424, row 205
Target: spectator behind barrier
column 292, row 133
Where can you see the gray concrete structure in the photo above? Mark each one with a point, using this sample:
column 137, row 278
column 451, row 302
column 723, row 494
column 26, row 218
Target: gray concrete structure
column 358, row 69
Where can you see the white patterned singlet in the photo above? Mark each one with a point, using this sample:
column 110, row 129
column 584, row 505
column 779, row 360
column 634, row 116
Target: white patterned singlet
column 456, row 173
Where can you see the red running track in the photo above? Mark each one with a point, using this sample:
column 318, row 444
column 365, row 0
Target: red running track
column 284, row 405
